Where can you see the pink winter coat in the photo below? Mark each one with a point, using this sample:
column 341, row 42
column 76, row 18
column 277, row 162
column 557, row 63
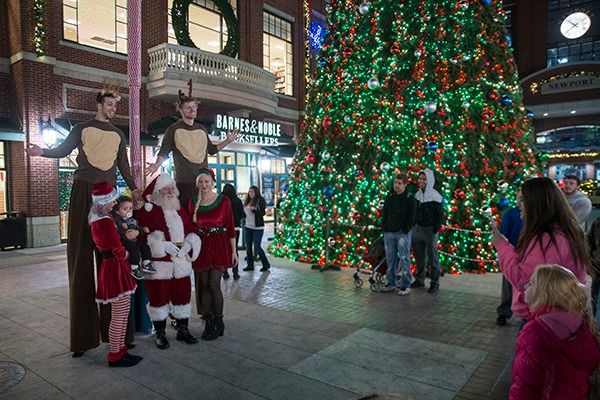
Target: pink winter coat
column 554, row 358
column 518, row 270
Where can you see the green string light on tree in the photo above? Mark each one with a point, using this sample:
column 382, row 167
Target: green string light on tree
column 404, row 86
column 39, row 37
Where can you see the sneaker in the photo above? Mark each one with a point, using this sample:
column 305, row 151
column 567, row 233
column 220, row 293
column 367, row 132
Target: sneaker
column 433, row 289
column 137, row 274
column 148, row 268
column 501, row 320
column 388, row 288
column 404, row 291
column 248, row 269
column 263, row 269
column 225, row 275
column 417, row 284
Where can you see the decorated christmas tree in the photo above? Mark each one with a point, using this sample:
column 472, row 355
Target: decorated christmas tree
column 405, row 85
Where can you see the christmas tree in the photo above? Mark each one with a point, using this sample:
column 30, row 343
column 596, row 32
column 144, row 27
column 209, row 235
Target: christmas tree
column 403, row 86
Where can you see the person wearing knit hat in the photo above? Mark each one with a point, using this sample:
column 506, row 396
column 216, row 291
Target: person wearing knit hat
column 190, row 145
column 115, row 284
column 173, row 246
column 101, row 150
column 213, row 216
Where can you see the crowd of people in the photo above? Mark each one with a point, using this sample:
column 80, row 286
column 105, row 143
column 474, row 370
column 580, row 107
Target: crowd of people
column 185, row 227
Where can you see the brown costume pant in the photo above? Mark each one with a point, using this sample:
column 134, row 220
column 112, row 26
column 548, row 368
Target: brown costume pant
column 186, row 193
column 85, row 323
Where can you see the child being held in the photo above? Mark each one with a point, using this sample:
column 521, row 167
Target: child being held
column 122, row 215
column 558, row 348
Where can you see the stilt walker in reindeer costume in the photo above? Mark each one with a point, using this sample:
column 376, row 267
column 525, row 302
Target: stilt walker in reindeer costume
column 174, row 246
column 101, row 150
column 115, row 283
column 190, row 145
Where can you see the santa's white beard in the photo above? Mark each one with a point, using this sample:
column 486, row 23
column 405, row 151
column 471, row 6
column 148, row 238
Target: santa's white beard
column 166, row 203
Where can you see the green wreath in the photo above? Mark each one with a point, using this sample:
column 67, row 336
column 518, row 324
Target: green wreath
column 179, row 18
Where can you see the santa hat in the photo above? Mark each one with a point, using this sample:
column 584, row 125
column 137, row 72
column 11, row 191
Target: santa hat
column 103, row 193
column 160, row 182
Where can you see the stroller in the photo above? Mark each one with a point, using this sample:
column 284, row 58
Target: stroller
column 373, row 263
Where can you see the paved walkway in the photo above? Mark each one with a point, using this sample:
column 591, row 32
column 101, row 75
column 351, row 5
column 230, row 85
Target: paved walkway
column 291, row 333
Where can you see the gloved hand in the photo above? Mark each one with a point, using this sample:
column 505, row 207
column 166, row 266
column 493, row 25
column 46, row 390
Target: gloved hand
column 171, row 249
column 185, row 249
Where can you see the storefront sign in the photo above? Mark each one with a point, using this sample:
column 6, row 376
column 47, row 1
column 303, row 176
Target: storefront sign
column 570, row 84
column 252, row 131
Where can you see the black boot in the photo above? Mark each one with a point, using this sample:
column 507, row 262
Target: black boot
column 210, row 327
column 225, row 275
column 236, row 273
column 220, row 326
column 161, row 337
column 183, row 332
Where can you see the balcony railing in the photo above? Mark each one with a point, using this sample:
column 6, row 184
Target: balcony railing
column 166, row 58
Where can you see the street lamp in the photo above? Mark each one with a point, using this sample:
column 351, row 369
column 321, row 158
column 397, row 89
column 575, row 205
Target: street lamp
column 49, row 132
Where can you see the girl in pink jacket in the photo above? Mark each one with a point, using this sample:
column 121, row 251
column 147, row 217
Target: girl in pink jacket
column 558, row 349
column 550, row 235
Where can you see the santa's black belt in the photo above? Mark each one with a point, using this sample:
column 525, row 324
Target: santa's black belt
column 106, row 254
column 212, row 230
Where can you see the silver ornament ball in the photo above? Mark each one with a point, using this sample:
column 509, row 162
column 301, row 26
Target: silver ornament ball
column 430, row 106
column 373, row 83
column 364, row 8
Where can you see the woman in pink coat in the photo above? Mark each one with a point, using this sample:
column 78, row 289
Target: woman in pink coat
column 550, row 235
column 558, row 349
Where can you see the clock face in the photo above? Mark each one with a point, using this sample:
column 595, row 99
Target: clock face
column 575, row 25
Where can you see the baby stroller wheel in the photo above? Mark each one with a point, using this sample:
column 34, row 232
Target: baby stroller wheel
column 379, row 278
column 376, row 287
column 358, row 283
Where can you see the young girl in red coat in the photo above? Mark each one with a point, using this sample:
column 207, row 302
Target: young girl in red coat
column 558, row 349
column 115, row 283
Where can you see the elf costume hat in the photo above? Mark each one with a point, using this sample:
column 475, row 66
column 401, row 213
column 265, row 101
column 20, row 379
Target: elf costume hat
column 207, row 171
column 103, row 193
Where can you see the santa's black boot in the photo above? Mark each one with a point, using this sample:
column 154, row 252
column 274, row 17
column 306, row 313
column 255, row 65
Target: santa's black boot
column 210, row 327
column 183, row 333
column 161, row 337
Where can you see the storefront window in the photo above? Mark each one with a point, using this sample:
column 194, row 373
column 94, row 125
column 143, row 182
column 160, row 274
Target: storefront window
column 227, row 157
column 101, row 24
column 3, row 179
column 206, row 25
column 278, row 52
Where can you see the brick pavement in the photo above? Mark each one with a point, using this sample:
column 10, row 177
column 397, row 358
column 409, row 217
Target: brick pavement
column 275, row 320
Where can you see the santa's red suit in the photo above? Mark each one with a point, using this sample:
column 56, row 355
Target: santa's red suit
column 169, row 289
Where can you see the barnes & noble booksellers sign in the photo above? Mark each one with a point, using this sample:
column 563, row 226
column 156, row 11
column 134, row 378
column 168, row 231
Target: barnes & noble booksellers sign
column 252, row 131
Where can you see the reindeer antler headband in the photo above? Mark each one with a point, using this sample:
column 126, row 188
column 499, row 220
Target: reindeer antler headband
column 110, row 90
column 183, row 98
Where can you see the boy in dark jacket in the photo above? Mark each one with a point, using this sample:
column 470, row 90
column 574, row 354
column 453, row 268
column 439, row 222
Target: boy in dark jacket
column 399, row 215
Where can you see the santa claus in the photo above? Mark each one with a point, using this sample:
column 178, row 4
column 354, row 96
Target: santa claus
column 174, row 246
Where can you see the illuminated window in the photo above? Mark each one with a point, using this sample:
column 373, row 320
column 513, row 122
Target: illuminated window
column 206, row 25
column 101, row 24
column 278, row 52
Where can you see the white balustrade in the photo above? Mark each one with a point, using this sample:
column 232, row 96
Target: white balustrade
column 173, row 58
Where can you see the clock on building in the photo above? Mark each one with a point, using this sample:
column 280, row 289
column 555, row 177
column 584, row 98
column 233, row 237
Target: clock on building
column 575, row 25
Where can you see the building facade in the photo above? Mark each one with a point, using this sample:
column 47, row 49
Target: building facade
column 55, row 55
column 557, row 49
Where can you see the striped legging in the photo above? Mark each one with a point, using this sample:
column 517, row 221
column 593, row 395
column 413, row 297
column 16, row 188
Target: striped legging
column 118, row 324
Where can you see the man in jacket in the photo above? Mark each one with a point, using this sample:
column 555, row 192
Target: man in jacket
column 580, row 203
column 399, row 215
column 425, row 232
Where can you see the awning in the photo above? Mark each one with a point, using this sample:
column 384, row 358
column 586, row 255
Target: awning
column 11, row 131
column 66, row 124
column 283, row 151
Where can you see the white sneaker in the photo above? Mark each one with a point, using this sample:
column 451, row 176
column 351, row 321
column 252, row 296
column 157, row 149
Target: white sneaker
column 404, row 292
